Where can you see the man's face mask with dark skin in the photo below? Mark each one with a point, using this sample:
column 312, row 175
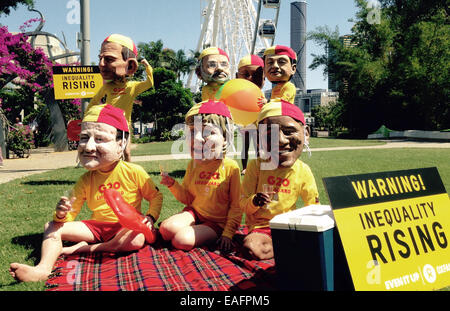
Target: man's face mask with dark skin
column 252, row 73
column 291, row 139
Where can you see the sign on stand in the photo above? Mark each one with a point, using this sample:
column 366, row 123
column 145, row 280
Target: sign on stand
column 76, row 81
column 394, row 227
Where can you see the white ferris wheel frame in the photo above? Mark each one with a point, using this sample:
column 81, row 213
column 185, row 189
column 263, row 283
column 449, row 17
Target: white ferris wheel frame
column 232, row 25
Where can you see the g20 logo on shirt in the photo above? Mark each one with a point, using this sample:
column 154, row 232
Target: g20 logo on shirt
column 103, row 187
column 209, row 175
column 278, row 181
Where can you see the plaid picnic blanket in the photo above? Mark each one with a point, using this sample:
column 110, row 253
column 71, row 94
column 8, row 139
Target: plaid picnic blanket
column 160, row 267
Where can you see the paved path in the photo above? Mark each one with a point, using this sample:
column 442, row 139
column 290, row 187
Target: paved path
column 45, row 159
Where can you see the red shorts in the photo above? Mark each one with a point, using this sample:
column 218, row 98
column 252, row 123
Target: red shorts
column 264, row 230
column 103, row 231
column 200, row 220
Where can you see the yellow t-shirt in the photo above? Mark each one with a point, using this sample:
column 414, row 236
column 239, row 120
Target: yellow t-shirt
column 290, row 184
column 129, row 179
column 122, row 94
column 209, row 91
column 285, row 91
column 213, row 190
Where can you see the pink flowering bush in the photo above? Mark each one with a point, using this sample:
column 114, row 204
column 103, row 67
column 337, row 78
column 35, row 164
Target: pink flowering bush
column 20, row 140
column 29, row 22
column 19, row 59
column 31, row 70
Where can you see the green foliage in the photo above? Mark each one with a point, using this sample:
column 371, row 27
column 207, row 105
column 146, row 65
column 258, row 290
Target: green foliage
column 7, row 5
column 328, row 116
column 141, row 140
column 160, row 57
column 41, row 116
column 165, row 104
column 395, row 72
column 20, row 140
column 14, row 100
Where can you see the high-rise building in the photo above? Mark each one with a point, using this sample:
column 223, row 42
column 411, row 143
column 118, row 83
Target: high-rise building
column 298, row 43
column 316, row 97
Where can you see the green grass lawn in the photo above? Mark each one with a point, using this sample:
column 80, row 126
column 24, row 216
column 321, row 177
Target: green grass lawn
column 27, row 204
column 158, row 148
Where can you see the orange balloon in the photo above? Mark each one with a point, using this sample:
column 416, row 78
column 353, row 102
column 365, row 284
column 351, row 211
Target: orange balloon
column 242, row 97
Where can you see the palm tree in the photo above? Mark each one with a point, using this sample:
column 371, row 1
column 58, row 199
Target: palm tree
column 152, row 52
column 158, row 56
column 183, row 65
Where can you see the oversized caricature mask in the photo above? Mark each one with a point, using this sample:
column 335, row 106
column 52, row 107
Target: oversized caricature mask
column 102, row 138
column 118, row 58
column 283, row 132
column 280, row 63
column 214, row 66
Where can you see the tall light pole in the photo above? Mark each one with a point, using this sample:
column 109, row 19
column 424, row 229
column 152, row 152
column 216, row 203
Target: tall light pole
column 85, row 40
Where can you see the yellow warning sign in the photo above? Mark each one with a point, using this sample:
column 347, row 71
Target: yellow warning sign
column 395, row 229
column 76, row 81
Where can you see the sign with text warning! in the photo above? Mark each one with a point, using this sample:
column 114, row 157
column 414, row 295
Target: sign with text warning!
column 76, row 81
column 394, row 227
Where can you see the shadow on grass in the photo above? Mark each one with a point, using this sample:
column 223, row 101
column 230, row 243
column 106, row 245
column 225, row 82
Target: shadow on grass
column 173, row 174
column 48, row 182
column 30, row 242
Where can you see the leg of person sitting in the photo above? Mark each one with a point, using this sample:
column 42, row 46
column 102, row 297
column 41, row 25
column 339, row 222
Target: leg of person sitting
column 124, row 241
column 192, row 236
column 175, row 223
column 244, row 153
column 259, row 245
column 54, row 234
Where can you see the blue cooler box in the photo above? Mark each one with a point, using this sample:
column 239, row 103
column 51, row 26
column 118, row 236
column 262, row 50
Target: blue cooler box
column 303, row 248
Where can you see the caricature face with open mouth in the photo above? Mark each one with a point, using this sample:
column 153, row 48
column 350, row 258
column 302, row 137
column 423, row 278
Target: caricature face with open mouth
column 278, row 68
column 291, row 139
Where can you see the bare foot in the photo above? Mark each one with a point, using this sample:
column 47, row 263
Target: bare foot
column 26, row 273
column 74, row 248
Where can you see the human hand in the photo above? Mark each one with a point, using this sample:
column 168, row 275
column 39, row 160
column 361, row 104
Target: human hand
column 261, row 101
column 148, row 221
column 64, row 206
column 261, row 199
column 145, row 62
column 166, row 180
column 225, row 244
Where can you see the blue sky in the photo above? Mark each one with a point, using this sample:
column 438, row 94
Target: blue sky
column 175, row 22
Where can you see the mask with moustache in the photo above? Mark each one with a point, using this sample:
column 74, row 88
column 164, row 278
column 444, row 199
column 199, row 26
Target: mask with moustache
column 218, row 76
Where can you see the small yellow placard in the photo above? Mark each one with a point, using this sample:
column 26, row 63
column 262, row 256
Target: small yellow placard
column 395, row 237
column 76, row 81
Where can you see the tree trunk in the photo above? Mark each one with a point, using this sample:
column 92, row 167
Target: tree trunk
column 2, row 139
column 59, row 132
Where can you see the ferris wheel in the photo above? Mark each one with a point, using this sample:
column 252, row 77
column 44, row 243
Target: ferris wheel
column 237, row 27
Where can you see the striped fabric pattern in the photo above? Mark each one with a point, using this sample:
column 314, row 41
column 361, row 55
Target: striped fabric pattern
column 159, row 267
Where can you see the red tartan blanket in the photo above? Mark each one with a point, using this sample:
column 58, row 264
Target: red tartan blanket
column 159, row 267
